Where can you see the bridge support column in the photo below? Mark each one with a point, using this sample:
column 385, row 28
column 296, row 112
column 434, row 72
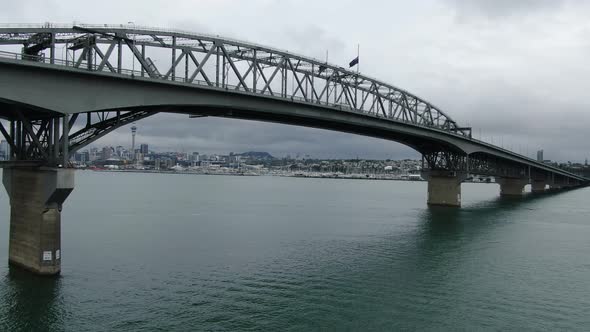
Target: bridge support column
column 569, row 184
column 538, row 186
column 444, row 187
column 557, row 186
column 36, row 197
column 512, row 186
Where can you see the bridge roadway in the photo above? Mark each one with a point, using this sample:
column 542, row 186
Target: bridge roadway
column 55, row 106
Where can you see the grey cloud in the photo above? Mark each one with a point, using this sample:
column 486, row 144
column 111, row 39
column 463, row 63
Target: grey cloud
column 502, row 8
column 514, row 70
column 313, row 41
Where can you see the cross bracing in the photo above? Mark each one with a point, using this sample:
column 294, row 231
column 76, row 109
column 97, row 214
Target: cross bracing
column 223, row 63
column 215, row 77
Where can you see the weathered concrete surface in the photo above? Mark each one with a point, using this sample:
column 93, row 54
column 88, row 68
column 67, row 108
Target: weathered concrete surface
column 538, row 186
column 36, row 196
column 512, row 186
column 444, row 187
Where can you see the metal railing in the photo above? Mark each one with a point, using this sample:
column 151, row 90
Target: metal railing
column 193, row 35
column 83, row 66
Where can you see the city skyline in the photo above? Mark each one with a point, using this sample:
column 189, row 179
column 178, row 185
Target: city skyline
column 124, row 137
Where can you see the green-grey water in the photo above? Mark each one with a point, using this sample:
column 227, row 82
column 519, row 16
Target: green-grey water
column 157, row 252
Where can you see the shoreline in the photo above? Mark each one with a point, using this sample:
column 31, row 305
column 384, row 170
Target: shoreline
column 310, row 176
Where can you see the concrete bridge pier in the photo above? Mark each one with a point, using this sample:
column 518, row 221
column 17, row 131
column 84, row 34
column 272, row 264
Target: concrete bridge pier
column 569, row 184
column 512, row 186
column 538, row 186
column 36, row 198
column 444, row 187
column 557, row 185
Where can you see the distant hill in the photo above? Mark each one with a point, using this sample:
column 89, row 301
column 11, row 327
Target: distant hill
column 257, row 155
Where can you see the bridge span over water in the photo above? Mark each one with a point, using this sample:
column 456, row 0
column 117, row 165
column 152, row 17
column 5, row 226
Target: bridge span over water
column 63, row 87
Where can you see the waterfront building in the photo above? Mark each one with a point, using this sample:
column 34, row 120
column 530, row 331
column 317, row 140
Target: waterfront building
column 195, row 157
column 93, row 154
column 107, row 152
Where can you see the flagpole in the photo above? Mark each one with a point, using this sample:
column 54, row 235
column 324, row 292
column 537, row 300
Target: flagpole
column 358, row 56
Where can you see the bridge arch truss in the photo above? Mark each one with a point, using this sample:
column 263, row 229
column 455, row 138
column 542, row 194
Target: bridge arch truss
column 226, row 65
column 222, row 63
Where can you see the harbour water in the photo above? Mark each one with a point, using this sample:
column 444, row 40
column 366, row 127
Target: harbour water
column 165, row 252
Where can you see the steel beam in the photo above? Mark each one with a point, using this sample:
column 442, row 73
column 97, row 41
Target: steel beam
column 336, row 86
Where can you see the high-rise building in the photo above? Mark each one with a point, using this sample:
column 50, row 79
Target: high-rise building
column 133, row 131
column 120, row 151
column 540, row 156
column 139, row 158
column 93, row 154
column 107, row 152
column 144, row 149
column 85, row 156
column 80, row 157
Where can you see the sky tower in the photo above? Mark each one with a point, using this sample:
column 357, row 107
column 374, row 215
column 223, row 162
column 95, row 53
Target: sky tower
column 133, row 131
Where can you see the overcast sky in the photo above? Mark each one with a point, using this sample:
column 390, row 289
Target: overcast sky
column 517, row 71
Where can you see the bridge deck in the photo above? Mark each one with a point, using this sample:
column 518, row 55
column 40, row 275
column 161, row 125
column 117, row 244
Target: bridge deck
column 214, row 76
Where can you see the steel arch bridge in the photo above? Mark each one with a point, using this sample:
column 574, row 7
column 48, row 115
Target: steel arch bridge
column 228, row 64
column 62, row 87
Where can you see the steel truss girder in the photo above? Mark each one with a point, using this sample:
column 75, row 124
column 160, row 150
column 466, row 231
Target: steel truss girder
column 108, row 121
column 49, row 141
column 477, row 164
column 298, row 78
column 492, row 166
column 444, row 160
column 36, row 139
column 336, row 86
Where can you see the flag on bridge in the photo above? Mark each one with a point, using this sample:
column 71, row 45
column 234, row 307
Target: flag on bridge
column 354, row 62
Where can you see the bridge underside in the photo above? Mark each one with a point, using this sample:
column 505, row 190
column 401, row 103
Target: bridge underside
column 87, row 106
column 49, row 114
column 64, row 91
column 84, row 128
